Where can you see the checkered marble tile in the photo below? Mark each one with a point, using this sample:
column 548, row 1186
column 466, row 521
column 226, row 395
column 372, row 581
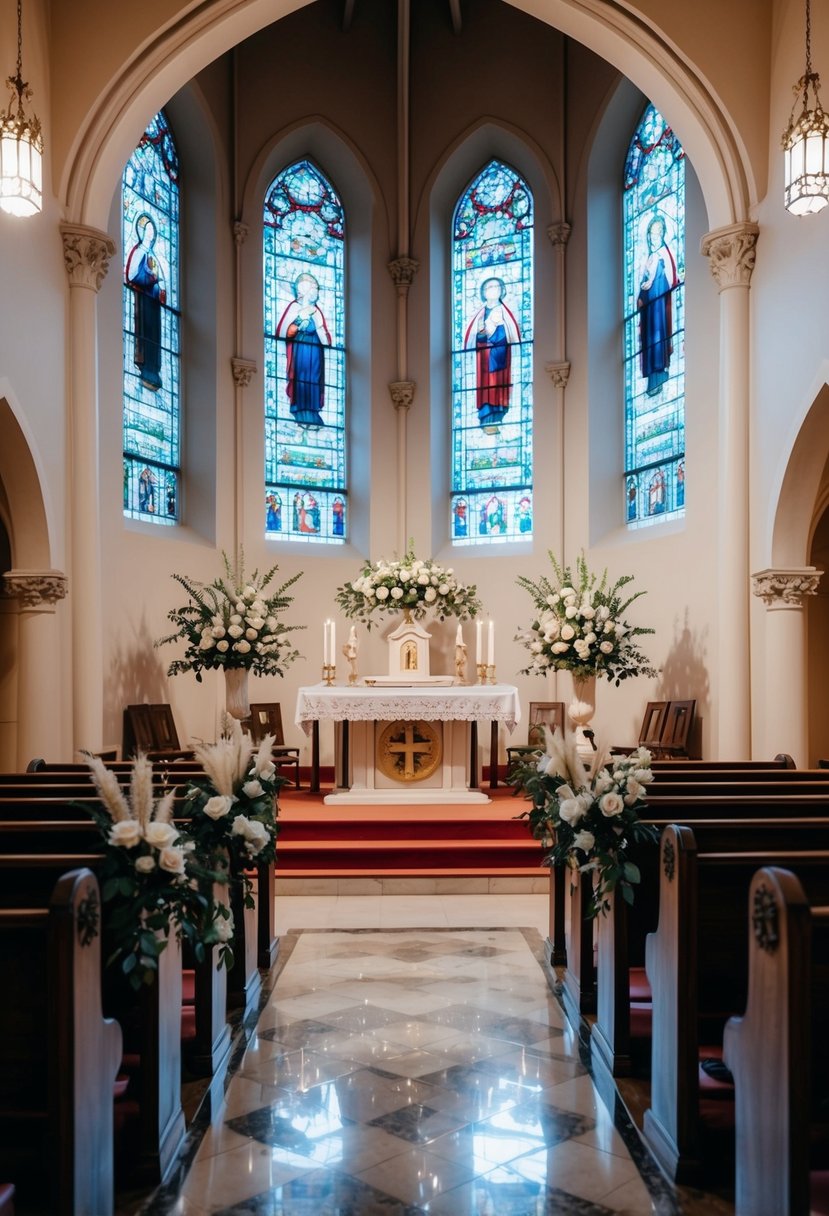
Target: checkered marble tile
column 413, row 1073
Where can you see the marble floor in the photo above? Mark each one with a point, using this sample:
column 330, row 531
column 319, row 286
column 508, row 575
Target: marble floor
column 411, row 1058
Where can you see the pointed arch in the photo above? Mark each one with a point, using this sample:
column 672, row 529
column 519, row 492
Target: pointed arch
column 306, row 496
column 152, row 327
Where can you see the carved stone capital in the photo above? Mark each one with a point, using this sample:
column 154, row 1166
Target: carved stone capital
column 786, row 588
column 402, row 393
column 240, row 233
column 86, row 255
column 243, row 371
column 403, row 271
column 559, row 373
column 559, row 235
column 731, row 254
column 39, row 589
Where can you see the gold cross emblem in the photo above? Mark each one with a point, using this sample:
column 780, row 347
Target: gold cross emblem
column 409, row 751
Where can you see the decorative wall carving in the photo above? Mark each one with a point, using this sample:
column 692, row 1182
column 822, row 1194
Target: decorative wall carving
column 403, row 271
column 240, row 232
column 731, row 254
column 86, row 255
column 402, row 393
column 35, row 588
column 243, row 371
column 559, row 373
column 559, row 235
column 786, row 588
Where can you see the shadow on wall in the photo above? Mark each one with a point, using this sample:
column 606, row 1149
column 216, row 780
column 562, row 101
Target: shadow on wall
column 137, row 673
column 684, row 676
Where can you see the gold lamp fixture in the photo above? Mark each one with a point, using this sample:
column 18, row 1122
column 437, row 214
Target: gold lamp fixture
column 805, row 142
column 21, row 145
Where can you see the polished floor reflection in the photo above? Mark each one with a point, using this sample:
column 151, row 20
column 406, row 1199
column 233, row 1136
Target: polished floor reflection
column 423, row 1069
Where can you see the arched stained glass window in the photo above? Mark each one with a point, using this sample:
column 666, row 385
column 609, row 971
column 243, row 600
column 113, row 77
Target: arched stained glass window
column 305, row 458
column 152, row 322
column 654, row 327
column 492, row 349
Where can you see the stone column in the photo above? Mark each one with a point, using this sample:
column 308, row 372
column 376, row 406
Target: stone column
column 731, row 253
column 402, row 271
column 559, row 373
column 38, row 662
column 243, row 371
column 786, row 704
column 86, row 253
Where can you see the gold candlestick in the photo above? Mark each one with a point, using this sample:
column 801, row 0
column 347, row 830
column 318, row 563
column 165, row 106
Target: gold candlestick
column 480, row 668
column 490, row 674
column 329, row 672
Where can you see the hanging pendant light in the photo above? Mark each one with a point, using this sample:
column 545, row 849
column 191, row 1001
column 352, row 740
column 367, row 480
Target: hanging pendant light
column 806, row 142
column 21, row 145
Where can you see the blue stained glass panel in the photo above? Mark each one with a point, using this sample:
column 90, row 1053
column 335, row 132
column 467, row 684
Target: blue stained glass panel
column 492, row 354
column 305, row 358
column 151, row 326
column 654, row 322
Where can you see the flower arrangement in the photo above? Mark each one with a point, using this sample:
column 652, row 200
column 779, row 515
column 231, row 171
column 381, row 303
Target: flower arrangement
column 232, row 622
column 580, row 625
column 232, row 809
column 152, row 877
column 589, row 816
column 409, row 584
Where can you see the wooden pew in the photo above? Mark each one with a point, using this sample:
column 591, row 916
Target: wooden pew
column 622, row 1024
column 778, row 1050
column 58, row 1055
column 697, row 966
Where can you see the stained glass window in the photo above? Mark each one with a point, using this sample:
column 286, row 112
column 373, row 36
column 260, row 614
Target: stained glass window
column 492, row 345
column 654, row 325
column 305, row 457
column 151, row 322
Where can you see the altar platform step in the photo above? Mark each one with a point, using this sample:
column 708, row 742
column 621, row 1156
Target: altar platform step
column 478, row 844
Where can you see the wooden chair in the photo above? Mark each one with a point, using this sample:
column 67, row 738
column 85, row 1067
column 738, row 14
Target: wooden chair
column 151, row 729
column 266, row 719
column 542, row 713
column 676, row 729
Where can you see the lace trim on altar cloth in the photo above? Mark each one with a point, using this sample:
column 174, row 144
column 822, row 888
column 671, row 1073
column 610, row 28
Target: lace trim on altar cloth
column 432, row 708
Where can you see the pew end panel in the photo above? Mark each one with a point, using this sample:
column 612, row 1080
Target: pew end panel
column 768, row 1051
column 667, row 1122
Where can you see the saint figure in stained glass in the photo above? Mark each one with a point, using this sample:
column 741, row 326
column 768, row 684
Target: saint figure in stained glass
column 492, row 332
column 657, row 282
column 144, row 274
column 303, row 327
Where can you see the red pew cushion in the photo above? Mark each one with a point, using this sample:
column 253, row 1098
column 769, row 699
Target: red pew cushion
column 188, row 987
column 640, row 989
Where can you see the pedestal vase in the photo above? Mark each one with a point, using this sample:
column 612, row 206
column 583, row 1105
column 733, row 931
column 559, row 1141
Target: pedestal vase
column 236, row 692
column 580, row 711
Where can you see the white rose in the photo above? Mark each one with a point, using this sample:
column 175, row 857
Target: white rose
column 241, row 608
column 643, row 775
column 207, row 642
column 223, row 646
column 590, row 638
column 635, row 791
column 584, row 840
column 242, row 647
column 570, row 611
column 382, row 593
column 444, row 589
column 423, row 579
column 172, row 860
column 235, row 619
column 240, row 826
column 571, row 810
column 127, row 833
column 252, row 789
column 567, row 633
column 266, row 771
column 430, row 595
column 256, row 836
column 160, row 835
column 249, row 592
column 587, row 612
column 251, row 634
column 397, row 593
column 218, row 806
column 611, row 804
column 553, row 599
column 218, row 631
column 606, row 647
column 235, row 631
column 224, row 928
column 560, row 647
column 145, row 864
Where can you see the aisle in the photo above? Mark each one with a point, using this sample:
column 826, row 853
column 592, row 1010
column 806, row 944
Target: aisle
column 421, row 1069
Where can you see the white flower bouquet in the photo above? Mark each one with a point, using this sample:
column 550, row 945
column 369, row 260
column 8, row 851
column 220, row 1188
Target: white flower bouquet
column 232, row 809
column 233, row 622
column 589, row 817
column 151, row 876
column 579, row 625
column 409, row 585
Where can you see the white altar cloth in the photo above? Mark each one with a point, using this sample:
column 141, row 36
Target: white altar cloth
column 362, row 706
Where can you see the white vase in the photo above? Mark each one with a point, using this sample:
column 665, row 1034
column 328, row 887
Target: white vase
column 580, row 711
column 236, row 692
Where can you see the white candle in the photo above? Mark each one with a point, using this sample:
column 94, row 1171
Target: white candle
column 333, row 659
column 326, row 659
column 490, row 645
column 479, row 632
column 352, row 637
column 459, row 637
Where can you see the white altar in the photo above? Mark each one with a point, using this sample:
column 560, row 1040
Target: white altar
column 424, row 756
